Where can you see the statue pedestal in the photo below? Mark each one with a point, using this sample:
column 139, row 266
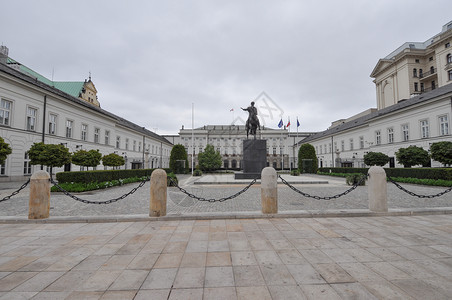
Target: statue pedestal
column 254, row 159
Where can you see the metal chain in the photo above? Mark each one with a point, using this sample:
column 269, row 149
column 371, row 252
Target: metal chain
column 417, row 195
column 98, row 202
column 16, row 192
column 213, row 200
column 323, row 198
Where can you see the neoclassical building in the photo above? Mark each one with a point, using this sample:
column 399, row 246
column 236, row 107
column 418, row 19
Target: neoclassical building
column 414, row 107
column 36, row 109
column 414, row 68
column 228, row 140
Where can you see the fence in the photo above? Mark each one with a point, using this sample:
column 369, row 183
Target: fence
column 39, row 201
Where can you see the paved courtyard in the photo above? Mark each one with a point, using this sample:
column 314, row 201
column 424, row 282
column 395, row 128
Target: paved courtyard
column 295, row 258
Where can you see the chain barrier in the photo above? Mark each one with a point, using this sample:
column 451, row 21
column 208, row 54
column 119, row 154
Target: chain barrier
column 327, row 197
column 417, row 195
column 213, row 200
column 16, row 192
column 98, row 202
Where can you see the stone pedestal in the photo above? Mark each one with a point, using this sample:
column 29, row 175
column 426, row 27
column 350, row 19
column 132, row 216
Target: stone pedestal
column 254, row 159
column 157, row 206
column 269, row 191
column 39, row 202
column 378, row 191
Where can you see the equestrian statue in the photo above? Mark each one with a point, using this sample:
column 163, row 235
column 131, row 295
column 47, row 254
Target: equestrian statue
column 252, row 124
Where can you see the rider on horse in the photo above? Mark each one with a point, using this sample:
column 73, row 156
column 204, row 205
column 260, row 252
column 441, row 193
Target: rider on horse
column 253, row 122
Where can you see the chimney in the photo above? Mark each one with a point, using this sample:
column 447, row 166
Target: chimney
column 3, row 54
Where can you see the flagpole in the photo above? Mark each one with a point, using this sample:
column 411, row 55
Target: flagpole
column 192, row 136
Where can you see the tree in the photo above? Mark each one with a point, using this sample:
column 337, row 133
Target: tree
column 50, row 155
column 412, row 156
column 85, row 158
column 307, row 154
column 178, row 159
column 113, row 160
column 5, row 150
column 376, row 159
column 209, row 159
column 442, row 152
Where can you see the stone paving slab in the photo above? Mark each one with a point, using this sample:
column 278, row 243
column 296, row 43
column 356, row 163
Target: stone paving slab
column 383, row 257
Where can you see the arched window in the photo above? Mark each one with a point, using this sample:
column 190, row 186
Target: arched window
column 415, row 72
column 449, row 58
column 420, row 73
column 432, row 70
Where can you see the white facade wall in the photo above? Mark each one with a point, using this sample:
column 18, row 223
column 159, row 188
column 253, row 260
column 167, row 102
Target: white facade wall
column 23, row 95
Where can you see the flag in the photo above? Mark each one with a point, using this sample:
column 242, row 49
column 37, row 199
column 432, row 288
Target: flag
column 288, row 124
column 232, row 109
column 280, row 124
column 298, row 123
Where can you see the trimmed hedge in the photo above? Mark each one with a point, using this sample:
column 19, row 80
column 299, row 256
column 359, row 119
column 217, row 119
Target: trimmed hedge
column 102, row 175
column 420, row 173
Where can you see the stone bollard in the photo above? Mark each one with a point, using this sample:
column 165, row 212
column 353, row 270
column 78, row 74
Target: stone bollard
column 158, row 194
column 378, row 192
column 39, row 203
column 269, row 191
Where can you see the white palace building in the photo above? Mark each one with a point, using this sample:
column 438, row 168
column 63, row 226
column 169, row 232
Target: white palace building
column 414, row 107
column 36, row 109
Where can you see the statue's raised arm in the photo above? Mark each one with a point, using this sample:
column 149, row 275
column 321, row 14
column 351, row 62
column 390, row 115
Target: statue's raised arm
column 253, row 122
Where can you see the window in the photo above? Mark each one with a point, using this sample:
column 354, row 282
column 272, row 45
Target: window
column 274, row 150
column 416, row 88
column 424, row 129
column 118, row 141
column 432, row 70
column 449, row 75
column 433, row 85
column 405, row 132
column 335, row 147
column 330, row 149
column 342, row 146
column 27, row 165
column 420, row 73
column 414, row 72
column 449, row 58
column 107, row 137
column 31, row 118
column 351, row 144
column 443, row 125
column 3, row 168
column 134, row 145
column 5, row 112
column 430, row 58
column 96, row 135
column 390, row 135
column 84, row 132
column 52, row 124
column 378, row 137
column 139, row 146
column 416, row 61
column 447, row 45
column 422, row 87
column 69, row 125
column 127, row 144
column 361, row 142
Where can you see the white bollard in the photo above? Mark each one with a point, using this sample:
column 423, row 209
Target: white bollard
column 378, row 191
column 269, row 191
column 39, row 202
column 157, row 207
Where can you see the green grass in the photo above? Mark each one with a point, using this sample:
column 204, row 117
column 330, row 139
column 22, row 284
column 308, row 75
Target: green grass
column 84, row 187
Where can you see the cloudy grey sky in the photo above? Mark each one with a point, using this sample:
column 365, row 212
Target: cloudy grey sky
column 150, row 60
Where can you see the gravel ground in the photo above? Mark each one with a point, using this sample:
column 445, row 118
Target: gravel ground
column 178, row 203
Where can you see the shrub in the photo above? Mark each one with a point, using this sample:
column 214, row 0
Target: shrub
column 113, row 160
column 171, row 179
column 178, row 159
column 420, row 173
column 412, row 156
column 209, row 159
column 295, row 172
column 5, row 150
column 307, row 154
column 102, row 175
column 353, row 179
column 197, row 172
column 442, row 152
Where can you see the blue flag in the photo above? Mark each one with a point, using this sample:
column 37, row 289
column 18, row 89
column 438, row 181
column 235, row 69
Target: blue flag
column 280, row 124
column 298, row 123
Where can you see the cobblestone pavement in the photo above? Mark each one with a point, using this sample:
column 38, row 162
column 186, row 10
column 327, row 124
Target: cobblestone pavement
column 178, row 203
column 296, row 258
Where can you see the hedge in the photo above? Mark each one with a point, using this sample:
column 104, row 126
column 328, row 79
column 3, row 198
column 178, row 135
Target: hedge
column 420, row 173
column 102, row 175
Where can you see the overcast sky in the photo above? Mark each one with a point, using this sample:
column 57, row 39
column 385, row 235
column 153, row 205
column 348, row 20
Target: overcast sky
column 150, row 60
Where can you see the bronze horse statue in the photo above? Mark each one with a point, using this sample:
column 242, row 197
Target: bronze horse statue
column 252, row 124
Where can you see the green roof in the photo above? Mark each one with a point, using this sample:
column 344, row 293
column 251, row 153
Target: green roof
column 72, row 88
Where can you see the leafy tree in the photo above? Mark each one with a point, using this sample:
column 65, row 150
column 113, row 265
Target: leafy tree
column 376, row 159
column 50, row 155
column 5, row 150
column 442, row 152
column 113, row 160
column 209, row 159
column 307, row 151
column 85, row 158
column 412, row 156
column 177, row 155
